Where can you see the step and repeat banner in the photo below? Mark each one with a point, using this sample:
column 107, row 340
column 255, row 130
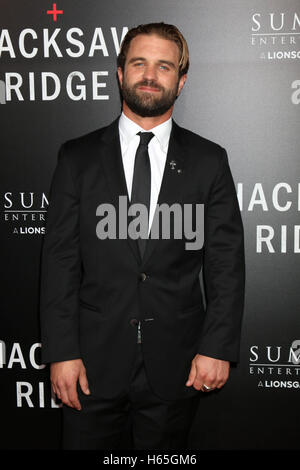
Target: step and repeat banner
column 58, row 81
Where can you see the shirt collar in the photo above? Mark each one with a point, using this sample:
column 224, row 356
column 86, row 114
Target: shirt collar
column 129, row 129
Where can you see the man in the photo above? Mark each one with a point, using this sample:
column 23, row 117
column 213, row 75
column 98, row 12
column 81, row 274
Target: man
column 123, row 321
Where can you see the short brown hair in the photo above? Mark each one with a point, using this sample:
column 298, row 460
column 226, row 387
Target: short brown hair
column 166, row 31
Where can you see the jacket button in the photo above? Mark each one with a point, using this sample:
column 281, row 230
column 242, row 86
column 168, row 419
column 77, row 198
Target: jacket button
column 133, row 322
column 143, row 277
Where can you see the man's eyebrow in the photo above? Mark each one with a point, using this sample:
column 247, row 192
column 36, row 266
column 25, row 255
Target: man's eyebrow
column 168, row 62
column 134, row 59
column 161, row 61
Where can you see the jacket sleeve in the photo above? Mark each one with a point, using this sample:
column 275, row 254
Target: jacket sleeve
column 223, row 269
column 61, row 268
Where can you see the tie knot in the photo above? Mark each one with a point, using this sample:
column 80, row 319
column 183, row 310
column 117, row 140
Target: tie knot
column 145, row 137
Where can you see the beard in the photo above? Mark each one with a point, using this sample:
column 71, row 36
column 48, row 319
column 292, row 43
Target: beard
column 146, row 104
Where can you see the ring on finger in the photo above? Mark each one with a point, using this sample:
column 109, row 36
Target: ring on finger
column 205, row 388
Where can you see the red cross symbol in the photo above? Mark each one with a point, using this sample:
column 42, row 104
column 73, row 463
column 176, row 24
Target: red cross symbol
column 54, row 12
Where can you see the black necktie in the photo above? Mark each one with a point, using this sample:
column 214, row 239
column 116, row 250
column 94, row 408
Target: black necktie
column 141, row 183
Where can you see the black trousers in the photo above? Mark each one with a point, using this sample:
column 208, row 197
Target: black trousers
column 137, row 420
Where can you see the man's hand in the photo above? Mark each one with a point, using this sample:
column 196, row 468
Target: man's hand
column 64, row 376
column 208, row 371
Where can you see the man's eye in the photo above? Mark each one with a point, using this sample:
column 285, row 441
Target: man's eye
column 164, row 67
column 139, row 63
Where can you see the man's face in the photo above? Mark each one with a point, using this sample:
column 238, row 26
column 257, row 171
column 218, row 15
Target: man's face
column 150, row 81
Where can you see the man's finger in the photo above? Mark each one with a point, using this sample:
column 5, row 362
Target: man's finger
column 56, row 391
column 213, row 384
column 73, row 397
column 192, row 375
column 83, row 381
column 207, row 388
column 65, row 397
column 221, row 384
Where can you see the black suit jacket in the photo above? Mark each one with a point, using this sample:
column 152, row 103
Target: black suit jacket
column 92, row 289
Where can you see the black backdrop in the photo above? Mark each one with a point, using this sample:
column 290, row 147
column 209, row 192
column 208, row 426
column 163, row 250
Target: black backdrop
column 58, row 81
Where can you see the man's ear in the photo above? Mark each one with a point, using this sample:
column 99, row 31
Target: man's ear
column 120, row 75
column 181, row 83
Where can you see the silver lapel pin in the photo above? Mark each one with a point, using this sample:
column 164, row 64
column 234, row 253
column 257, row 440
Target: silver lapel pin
column 173, row 164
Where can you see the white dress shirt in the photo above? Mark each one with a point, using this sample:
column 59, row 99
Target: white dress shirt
column 157, row 149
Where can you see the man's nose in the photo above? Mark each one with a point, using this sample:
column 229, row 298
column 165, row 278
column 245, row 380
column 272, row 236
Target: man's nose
column 150, row 72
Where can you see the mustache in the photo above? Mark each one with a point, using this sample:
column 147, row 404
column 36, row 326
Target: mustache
column 149, row 83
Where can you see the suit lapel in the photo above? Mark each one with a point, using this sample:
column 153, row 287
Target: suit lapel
column 172, row 181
